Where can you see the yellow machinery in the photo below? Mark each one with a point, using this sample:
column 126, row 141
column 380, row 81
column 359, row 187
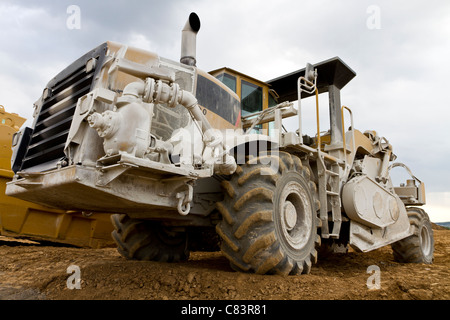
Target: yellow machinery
column 26, row 219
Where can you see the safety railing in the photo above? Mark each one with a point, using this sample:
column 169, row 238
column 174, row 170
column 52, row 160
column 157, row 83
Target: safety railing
column 309, row 87
column 343, row 129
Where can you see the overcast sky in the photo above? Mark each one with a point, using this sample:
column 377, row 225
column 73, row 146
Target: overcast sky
column 400, row 51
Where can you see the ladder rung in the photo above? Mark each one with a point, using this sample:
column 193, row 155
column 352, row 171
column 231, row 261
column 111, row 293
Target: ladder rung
column 332, row 173
column 331, row 158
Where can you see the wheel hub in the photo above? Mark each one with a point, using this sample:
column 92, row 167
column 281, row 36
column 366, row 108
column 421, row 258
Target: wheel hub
column 294, row 214
column 425, row 241
column 290, row 215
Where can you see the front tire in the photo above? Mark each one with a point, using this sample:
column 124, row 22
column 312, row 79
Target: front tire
column 419, row 247
column 270, row 221
column 148, row 240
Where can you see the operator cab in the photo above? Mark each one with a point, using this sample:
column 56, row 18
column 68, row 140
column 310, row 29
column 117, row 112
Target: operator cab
column 255, row 95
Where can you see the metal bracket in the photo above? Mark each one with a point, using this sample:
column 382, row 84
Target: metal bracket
column 108, row 174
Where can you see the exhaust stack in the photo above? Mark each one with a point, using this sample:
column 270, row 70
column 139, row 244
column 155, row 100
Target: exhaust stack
column 189, row 40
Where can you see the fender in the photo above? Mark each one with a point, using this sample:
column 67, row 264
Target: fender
column 240, row 146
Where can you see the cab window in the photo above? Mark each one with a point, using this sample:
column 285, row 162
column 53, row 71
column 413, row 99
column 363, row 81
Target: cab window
column 228, row 80
column 217, row 99
column 272, row 101
column 251, row 98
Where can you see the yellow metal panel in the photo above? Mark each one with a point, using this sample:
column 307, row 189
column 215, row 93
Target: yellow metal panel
column 12, row 120
column 40, row 223
column 10, row 123
column 362, row 143
column 21, row 218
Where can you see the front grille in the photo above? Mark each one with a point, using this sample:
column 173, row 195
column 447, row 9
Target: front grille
column 52, row 124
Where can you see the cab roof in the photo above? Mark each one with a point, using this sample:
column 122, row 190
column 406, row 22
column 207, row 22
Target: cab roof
column 232, row 71
column 333, row 71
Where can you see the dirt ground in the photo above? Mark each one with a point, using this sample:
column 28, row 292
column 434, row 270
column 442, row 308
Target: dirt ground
column 33, row 271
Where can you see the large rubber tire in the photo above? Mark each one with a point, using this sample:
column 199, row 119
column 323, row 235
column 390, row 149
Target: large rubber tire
column 148, row 240
column 419, row 247
column 270, row 221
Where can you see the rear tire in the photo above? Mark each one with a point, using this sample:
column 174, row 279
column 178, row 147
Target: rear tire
column 419, row 247
column 148, row 240
column 270, row 221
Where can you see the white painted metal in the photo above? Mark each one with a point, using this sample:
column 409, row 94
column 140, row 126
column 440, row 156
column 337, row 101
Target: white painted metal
column 367, row 202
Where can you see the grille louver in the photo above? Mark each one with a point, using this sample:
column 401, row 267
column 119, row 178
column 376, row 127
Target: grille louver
column 52, row 125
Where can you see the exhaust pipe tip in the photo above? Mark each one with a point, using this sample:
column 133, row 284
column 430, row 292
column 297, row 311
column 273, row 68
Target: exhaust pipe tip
column 193, row 22
column 189, row 40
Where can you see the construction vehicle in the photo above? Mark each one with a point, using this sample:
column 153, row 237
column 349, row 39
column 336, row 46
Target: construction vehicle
column 19, row 218
column 176, row 152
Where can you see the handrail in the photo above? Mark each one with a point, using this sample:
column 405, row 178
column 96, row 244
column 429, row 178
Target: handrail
column 399, row 164
column 343, row 130
column 303, row 85
column 318, row 120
